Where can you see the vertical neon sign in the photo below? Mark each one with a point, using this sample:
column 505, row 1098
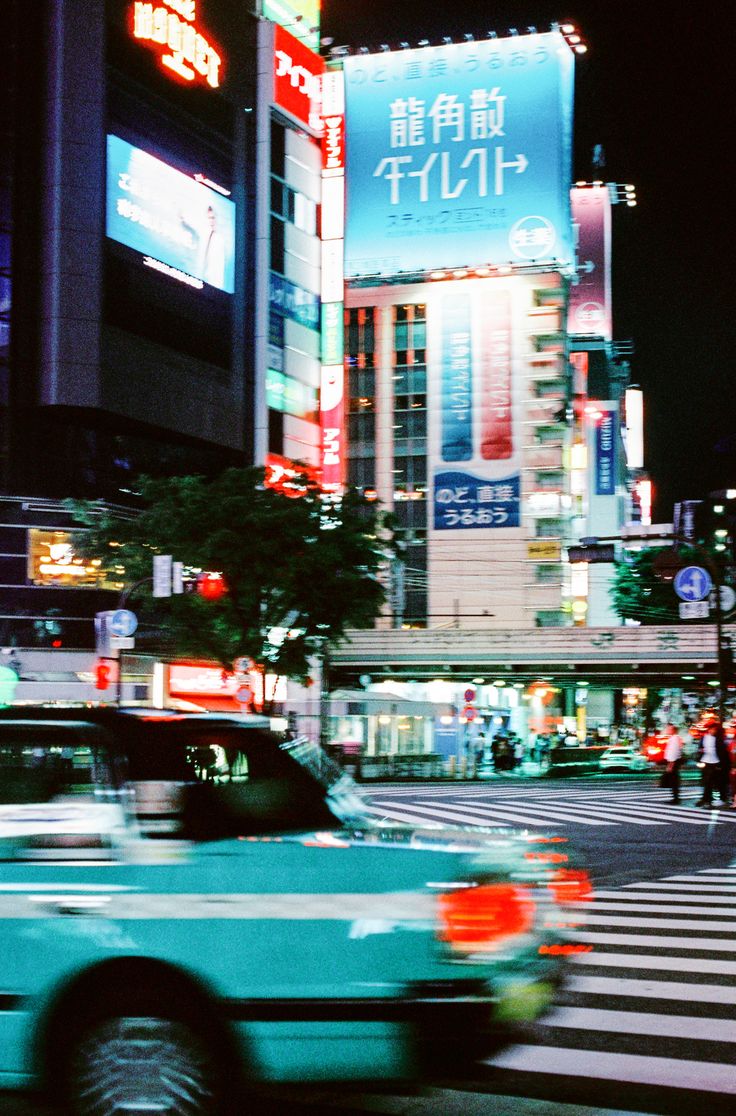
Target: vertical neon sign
column 333, row 232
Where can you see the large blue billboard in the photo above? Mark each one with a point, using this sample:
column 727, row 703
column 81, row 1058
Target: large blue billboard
column 459, row 156
column 181, row 227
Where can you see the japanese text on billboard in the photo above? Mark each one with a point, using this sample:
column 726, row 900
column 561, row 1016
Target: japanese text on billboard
column 459, row 155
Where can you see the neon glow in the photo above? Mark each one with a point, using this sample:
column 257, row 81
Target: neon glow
column 172, row 26
column 297, row 80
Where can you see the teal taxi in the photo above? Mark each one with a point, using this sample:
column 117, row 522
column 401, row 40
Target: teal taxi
column 192, row 906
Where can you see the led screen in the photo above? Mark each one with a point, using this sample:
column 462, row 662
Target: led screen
column 459, row 156
column 179, row 226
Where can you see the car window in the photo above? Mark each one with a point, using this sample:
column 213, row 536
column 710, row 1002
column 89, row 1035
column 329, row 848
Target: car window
column 44, row 763
column 211, row 783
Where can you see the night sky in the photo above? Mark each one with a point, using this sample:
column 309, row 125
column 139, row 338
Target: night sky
column 652, row 89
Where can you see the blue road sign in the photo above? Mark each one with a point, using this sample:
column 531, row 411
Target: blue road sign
column 693, row 583
column 123, row 622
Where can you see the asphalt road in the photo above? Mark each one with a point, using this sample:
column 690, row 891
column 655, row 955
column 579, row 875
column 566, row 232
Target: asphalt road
column 649, row 1020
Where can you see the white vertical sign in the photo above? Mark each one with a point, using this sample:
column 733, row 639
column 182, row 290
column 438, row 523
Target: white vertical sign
column 162, row 575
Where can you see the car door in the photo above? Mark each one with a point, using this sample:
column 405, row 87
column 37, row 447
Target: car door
column 61, row 828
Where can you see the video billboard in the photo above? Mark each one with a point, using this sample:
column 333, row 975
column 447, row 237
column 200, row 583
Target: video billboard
column 179, row 226
column 459, row 156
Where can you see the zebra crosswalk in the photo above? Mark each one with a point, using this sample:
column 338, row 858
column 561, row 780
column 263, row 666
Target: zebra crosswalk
column 641, row 805
column 647, row 1017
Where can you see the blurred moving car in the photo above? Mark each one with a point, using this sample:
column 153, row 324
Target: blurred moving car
column 191, row 905
column 623, row 757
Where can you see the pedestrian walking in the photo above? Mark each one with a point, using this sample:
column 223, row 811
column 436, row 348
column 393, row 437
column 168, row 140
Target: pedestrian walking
column 714, row 762
column 673, row 759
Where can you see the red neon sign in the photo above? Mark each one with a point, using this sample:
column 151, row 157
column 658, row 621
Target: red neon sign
column 297, row 79
column 170, row 28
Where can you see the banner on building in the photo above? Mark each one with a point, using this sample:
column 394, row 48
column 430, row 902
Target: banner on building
column 459, row 156
column 605, row 454
column 475, row 425
column 589, row 312
column 297, row 80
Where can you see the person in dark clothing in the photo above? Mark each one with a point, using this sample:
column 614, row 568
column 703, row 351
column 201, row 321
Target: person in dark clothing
column 715, row 763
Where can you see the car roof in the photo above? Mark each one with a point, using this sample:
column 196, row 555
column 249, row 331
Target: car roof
column 111, row 716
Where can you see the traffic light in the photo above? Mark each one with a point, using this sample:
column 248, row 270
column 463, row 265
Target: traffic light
column 102, row 676
column 211, row 586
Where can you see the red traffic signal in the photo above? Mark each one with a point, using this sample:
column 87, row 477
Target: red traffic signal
column 102, row 676
column 211, row 586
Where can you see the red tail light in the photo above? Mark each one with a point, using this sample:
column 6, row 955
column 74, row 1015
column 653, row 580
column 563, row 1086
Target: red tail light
column 569, row 885
column 485, row 916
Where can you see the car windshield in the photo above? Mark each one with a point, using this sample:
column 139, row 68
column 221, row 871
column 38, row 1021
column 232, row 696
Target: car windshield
column 233, row 779
column 343, row 796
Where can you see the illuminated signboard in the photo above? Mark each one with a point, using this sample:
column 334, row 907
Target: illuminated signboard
column 333, row 333
column 205, row 681
column 297, row 80
column 459, row 155
column 475, row 447
column 589, row 311
column 606, row 433
column 331, row 406
column 283, row 393
column 333, row 124
column 288, row 476
column 293, row 301
column 171, row 29
column 53, row 561
column 180, row 227
column 301, row 17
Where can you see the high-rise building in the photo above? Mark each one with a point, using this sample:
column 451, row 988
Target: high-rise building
column 483, row 391
column 160, row 259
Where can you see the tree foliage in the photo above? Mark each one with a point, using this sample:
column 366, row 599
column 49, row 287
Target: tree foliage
column 638, row 593
column 308, row 564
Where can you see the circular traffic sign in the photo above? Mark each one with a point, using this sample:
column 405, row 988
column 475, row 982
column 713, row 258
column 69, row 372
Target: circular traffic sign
column 123, row 622
column 693, row 583
column 469, row 694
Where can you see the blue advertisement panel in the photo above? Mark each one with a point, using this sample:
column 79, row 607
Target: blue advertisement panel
column 474, row 433
column 181, row 227
column 462, row 500
column 459, row 156
column 293, row 302
column 605, row 454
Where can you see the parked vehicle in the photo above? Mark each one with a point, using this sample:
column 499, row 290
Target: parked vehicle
column 191, row 905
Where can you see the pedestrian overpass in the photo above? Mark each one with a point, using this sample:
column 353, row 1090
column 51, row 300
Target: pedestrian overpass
column 675, row 655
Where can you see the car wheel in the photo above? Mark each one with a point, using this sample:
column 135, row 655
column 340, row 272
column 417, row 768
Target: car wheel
column 123, row 1062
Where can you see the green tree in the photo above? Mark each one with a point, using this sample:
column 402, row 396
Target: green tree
column 299, row 570
column 639, row 593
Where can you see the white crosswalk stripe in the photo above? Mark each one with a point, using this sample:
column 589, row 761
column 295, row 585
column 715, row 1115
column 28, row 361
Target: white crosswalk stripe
column 521, row 805
column 677, row 988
